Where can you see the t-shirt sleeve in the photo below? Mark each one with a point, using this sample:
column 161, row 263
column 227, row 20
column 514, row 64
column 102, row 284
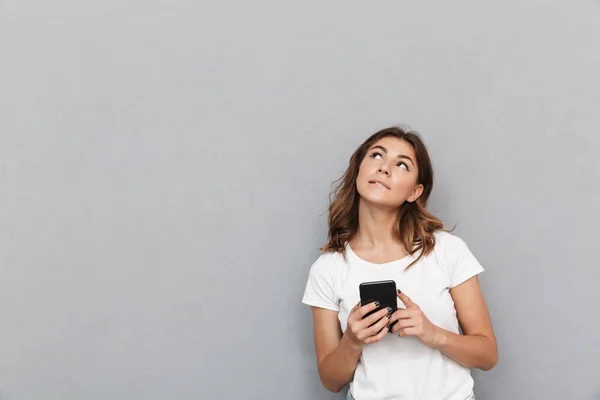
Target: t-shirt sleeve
column 320, row 288
column 462, row 263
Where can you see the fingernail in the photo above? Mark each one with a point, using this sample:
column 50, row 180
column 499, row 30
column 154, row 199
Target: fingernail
column 389, row 310
column 388, row 316
column 377, row 304
column 399, row 291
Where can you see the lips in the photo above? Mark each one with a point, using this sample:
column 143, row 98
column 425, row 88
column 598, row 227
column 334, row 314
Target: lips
column 380, row 184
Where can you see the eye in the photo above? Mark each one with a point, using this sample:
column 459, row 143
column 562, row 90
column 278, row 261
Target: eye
column 375, row 154
column 402, row 165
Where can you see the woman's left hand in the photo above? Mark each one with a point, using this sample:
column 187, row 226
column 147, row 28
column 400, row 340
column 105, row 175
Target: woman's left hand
column 413, row 322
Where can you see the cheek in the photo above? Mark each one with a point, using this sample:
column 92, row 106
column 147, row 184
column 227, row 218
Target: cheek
column 360, row 185
column 403, row 191
column 361, row 173
column 403, row 186
column 362, row 167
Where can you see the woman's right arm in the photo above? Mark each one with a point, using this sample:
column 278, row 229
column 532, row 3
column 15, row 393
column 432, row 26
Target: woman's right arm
column 337, row 353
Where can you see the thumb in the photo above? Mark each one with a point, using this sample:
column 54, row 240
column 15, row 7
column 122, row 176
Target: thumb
column 406, row 300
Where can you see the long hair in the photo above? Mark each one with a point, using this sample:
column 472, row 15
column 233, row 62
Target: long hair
column 414, row 226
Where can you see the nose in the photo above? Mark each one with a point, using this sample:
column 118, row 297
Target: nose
column 383, row 170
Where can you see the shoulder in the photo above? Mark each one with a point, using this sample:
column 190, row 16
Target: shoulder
column 450, row 248
column 448, row 241
column 455, row 257
column 328, row 263
column 331, row 267
column 324, row 280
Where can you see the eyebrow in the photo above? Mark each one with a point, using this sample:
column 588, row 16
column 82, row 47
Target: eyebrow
column 399, row 155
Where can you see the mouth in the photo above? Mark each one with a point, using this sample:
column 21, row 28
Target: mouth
column 379, row 184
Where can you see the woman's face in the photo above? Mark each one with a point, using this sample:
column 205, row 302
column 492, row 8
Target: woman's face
column 388, row 174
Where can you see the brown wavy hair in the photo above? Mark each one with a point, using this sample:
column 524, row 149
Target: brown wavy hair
column 415, row 224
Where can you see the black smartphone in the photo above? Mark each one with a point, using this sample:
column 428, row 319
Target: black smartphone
column 382, row 291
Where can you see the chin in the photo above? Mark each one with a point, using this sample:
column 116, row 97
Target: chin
column 376, row 196
column 378, row 201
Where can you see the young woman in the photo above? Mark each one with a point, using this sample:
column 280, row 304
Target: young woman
column 380, row 229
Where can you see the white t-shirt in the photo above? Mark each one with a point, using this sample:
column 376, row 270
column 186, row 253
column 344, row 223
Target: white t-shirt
column 401, row 368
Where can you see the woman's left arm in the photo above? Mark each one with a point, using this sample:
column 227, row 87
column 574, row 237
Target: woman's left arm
column 477, row 347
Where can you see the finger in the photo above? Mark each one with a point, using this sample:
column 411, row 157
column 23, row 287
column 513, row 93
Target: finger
column 401, row 313
column 376, row 329
column 356, row 307
column 352, row 313
column 355, row 313
column 364, row 310
column 408, row 332
column 403, row 324
column 406, row 300
column 379, row 336
column 373, row 318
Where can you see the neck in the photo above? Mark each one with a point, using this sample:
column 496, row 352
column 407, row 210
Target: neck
column 375, row 226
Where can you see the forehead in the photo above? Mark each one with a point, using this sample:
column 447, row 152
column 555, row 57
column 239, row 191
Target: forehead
column 396, row 146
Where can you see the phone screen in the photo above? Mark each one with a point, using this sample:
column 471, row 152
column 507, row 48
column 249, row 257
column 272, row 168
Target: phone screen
column 382, row 291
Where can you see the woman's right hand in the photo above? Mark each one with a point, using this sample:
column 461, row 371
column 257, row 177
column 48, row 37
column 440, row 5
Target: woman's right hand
column 358, row 330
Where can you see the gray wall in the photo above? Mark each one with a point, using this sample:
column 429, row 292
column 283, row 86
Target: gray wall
column 165, row 166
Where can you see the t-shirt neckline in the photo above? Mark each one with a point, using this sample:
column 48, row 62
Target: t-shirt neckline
column 403, row 260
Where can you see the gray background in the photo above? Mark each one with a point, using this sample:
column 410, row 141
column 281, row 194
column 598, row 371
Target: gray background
column 165, row 166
